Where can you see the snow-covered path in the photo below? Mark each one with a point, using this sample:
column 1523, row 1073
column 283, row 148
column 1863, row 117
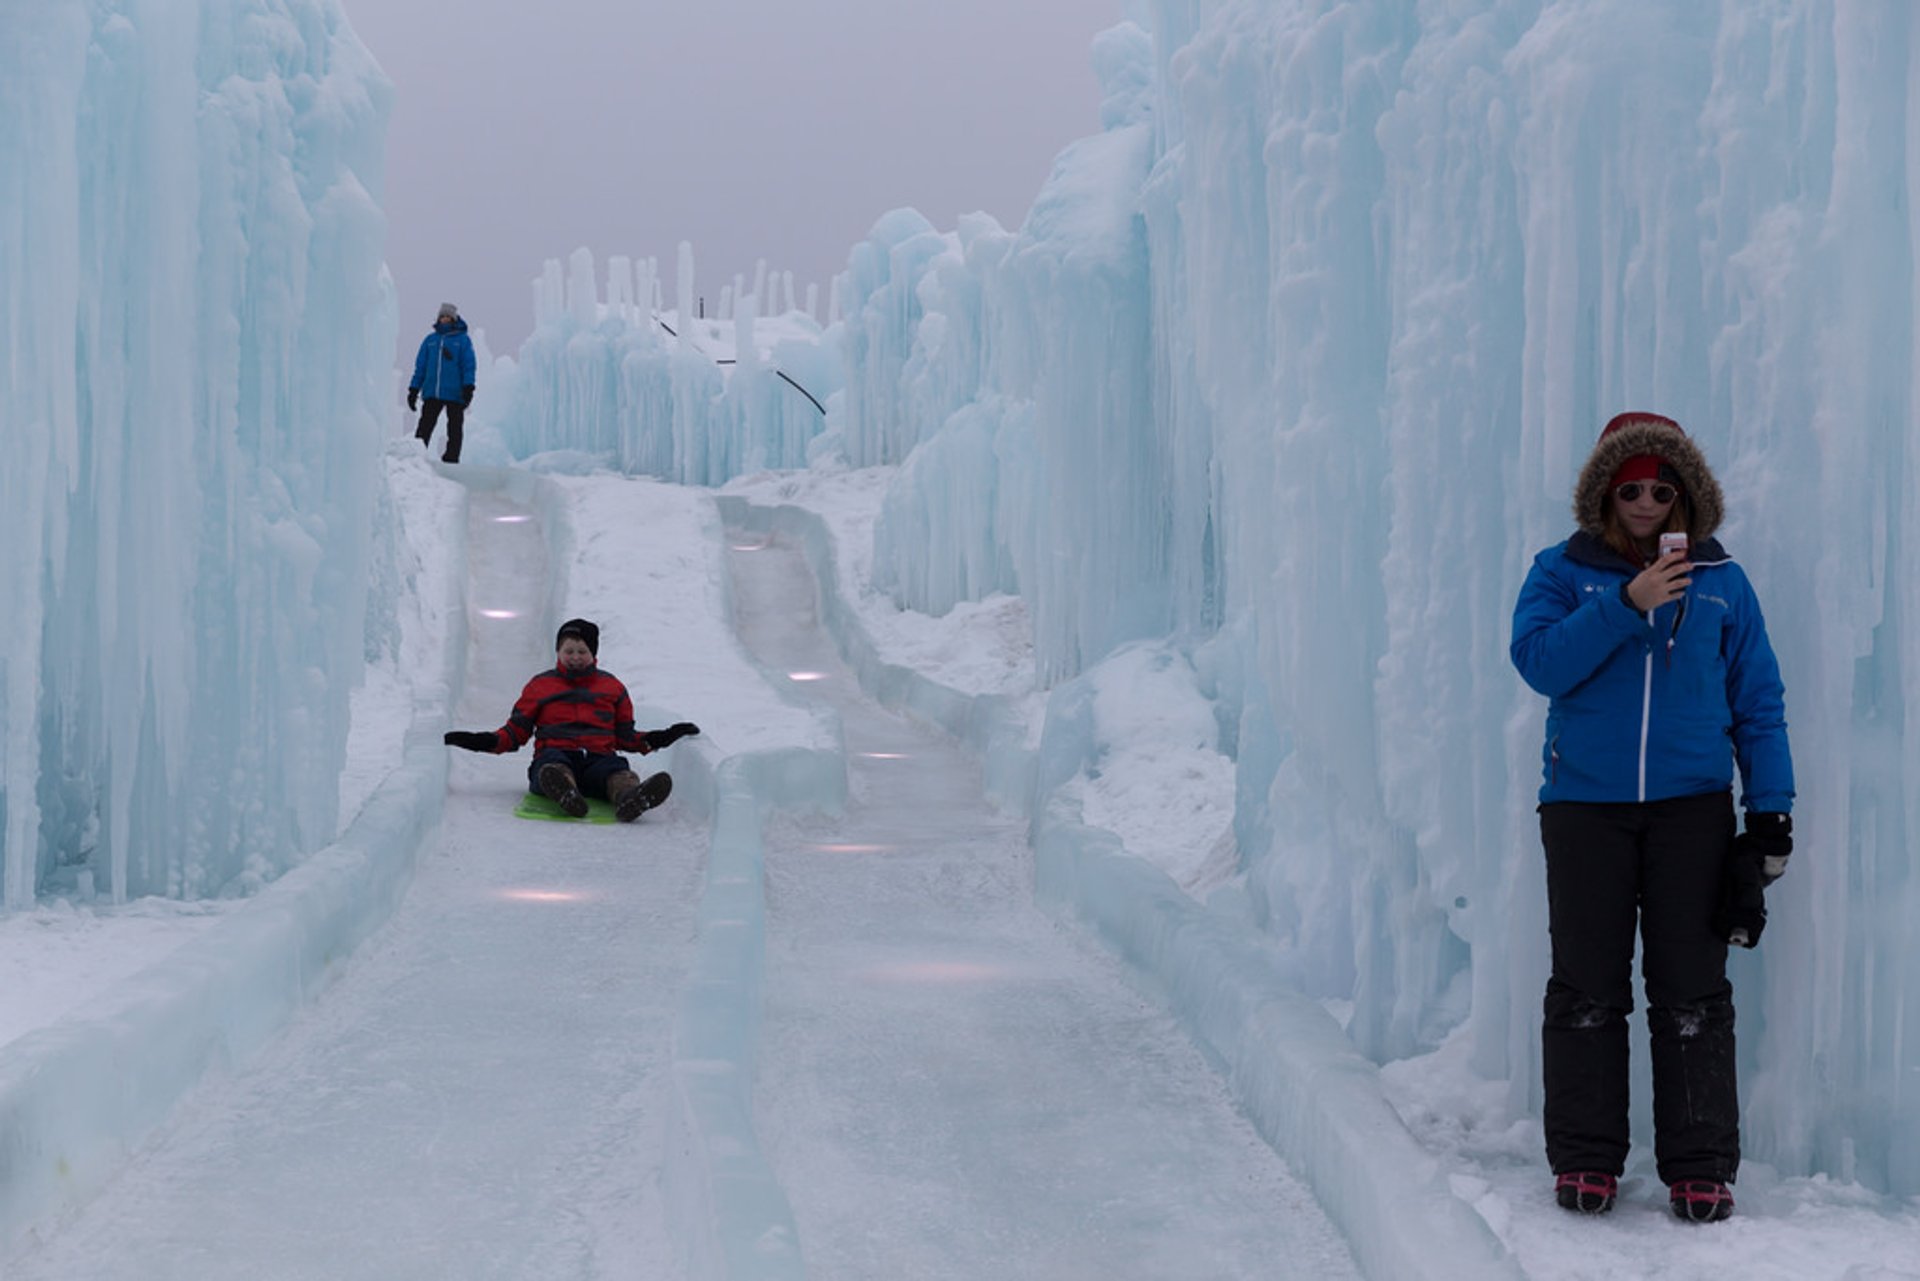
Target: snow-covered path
column 480, row 1095
column 951, row 1085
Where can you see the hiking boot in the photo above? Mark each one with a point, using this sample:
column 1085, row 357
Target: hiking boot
column 557, row 785
column 623, row 789
column 1700, row 1200
column 631, row 798
column 1586, row 1191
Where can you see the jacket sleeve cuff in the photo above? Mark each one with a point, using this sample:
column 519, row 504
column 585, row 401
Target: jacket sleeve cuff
column 1619, row 612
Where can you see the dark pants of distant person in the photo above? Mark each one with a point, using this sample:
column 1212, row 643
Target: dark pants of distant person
column 591, row 770
column 456, row 419
column 1661, row 861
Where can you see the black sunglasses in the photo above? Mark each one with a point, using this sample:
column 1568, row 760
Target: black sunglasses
column 1630, row 492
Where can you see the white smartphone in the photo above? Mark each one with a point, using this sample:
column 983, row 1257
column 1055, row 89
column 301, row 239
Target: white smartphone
column 1673, row 543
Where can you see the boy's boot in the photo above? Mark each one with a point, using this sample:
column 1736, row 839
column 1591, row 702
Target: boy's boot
column 631, row 798
column 623, row 789
column 556, row 782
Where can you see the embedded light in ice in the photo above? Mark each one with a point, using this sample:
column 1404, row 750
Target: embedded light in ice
column 499, row 613
column 748, row 547
column 806, row 676
column 542, row 896
column 511, row 520
column 884, row 756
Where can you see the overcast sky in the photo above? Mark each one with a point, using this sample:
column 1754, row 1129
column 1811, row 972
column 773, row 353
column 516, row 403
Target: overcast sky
column 751, row 128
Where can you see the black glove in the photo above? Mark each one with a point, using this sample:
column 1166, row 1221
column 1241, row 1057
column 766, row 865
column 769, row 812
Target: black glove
column 471, row 740
column 1742, row 911
column 413, row 398
column 1768, row 841
column 659, row 738
column 466, row 395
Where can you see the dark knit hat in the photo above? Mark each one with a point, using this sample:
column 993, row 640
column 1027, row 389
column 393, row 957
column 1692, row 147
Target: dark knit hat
column 1641, row 446
column 589, row 634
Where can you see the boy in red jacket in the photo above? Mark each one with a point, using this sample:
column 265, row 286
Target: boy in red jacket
column 579, row 718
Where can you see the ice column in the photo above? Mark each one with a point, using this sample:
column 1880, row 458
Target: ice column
column 197, row 332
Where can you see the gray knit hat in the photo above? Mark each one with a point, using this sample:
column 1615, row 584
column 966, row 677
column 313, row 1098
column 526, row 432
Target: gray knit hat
column 448, row 311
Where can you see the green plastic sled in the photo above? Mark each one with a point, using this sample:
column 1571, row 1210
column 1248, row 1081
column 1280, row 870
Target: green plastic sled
column 540, row 807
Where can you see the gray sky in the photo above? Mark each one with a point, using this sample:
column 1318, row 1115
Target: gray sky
column 751, row 128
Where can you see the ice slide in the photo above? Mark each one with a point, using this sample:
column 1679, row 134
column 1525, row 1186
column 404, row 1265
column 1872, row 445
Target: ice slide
column 950, row 1084
column 953, row 1086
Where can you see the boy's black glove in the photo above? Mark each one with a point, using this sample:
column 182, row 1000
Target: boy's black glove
column 471, row 740
column 659, row 738
column 413, row 398
column 1768, row 841
column 466, row 395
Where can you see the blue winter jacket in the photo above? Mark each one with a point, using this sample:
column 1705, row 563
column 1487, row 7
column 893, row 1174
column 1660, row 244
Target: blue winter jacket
column 1650, row 706
column 444, row 368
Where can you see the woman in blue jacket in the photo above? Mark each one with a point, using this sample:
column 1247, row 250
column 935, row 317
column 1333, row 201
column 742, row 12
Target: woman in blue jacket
column 443, row 372
column 1661, row 680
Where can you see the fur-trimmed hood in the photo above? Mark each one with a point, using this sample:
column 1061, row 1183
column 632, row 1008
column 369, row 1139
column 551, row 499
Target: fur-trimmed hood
column 1648, row 434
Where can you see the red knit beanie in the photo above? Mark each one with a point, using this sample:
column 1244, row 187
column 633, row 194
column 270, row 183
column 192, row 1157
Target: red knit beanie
column 1640, row 466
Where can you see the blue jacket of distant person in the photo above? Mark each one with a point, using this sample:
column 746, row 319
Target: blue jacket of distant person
column 1646, row 707
column 445, row 366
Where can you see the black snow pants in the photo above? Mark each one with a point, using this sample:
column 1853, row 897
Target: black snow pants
column 1660, row 862
column 591, row 770
column 456, row 419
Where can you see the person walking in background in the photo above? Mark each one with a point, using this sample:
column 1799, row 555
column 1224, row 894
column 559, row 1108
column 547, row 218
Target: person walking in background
column 579, row 717
column 443, row 373
column 1649, row 642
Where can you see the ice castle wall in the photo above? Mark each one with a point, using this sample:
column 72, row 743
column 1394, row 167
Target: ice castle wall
column 1299, row 358
column 1017, row 368
column 197, row 331
column 625, row 377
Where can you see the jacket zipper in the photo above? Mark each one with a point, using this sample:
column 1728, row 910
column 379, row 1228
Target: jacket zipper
column 1646, row 712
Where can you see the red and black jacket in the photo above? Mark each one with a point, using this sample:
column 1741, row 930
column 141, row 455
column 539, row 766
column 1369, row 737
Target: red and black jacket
column 586, row 711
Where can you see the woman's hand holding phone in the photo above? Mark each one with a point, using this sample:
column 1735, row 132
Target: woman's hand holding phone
column 1666, row 579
